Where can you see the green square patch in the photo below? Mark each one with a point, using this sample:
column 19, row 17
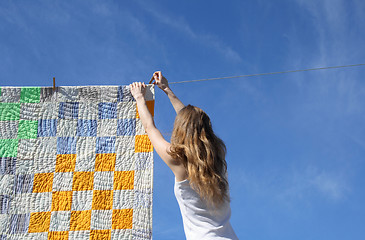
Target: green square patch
column 30, row 94
column 27, row 129
column 8, row 147
column 9, row 111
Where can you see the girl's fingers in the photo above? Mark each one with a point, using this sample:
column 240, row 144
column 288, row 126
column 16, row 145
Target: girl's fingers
column 157, row 75
column 137, row 85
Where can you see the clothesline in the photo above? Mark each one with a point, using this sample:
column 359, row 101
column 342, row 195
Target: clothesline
column 255, row 74
column 269, row 73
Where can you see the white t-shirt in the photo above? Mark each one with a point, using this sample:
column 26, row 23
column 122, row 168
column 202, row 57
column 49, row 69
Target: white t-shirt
column 199, row 222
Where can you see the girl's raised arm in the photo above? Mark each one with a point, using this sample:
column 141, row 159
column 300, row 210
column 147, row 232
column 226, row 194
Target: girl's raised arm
column 159, row 143
column 162, row 83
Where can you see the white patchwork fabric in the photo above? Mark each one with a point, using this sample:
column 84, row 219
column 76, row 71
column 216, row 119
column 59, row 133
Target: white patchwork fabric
column 75, row 163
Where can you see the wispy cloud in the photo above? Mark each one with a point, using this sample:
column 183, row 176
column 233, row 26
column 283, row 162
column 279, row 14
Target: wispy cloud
column 335, row 25
column 63, row 35
column 334, row 41
column 178, row 23
column 311, row 181
column 296, row 186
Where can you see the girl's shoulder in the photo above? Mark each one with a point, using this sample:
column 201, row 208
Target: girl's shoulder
column 180, row 173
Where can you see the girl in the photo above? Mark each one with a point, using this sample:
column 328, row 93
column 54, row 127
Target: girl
column 196, row 156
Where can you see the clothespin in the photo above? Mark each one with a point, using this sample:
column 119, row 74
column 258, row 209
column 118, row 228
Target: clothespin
column 54, row 84
column 153, row 78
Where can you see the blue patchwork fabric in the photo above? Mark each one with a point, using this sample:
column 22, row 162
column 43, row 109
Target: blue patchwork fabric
column 23, row 183
column 86, row 128
column 105, row 145
column 107, row 110
column 126, row 127
column 47, row 127
column 7, row 165
column 66, row 145
column 69, row 110
column 4, row 204
column 19, row 223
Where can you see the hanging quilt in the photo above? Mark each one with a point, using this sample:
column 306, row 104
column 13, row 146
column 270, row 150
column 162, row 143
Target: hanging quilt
column 75, row 163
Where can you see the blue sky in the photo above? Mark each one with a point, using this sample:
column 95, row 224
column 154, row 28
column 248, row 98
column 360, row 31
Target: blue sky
column 296, row 142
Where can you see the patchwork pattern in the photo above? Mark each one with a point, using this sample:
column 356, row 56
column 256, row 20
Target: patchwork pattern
column 75, row 163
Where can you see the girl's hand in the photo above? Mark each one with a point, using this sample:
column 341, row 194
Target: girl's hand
column 160, row 80
column 138, row 90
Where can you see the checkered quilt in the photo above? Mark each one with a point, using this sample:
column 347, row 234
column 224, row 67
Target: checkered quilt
column 75, row 163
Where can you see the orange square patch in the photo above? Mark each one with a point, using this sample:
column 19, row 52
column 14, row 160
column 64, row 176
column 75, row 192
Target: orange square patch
column 100, row 234
column 83, row 181
column 122, row 219
column 142, row 144
column 150, row 106
column 80, row 220
column 123, row 180
column 65, row 162
column 105, row 161
column 63, row 235
column 102, row 200
column 43, row 182
column 61, row 201
column 39, row 222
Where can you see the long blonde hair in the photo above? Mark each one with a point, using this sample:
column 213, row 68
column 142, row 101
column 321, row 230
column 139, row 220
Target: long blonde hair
column 194, row 143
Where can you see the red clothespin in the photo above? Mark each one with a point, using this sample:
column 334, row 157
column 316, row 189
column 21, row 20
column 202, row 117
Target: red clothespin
column 54, row 84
